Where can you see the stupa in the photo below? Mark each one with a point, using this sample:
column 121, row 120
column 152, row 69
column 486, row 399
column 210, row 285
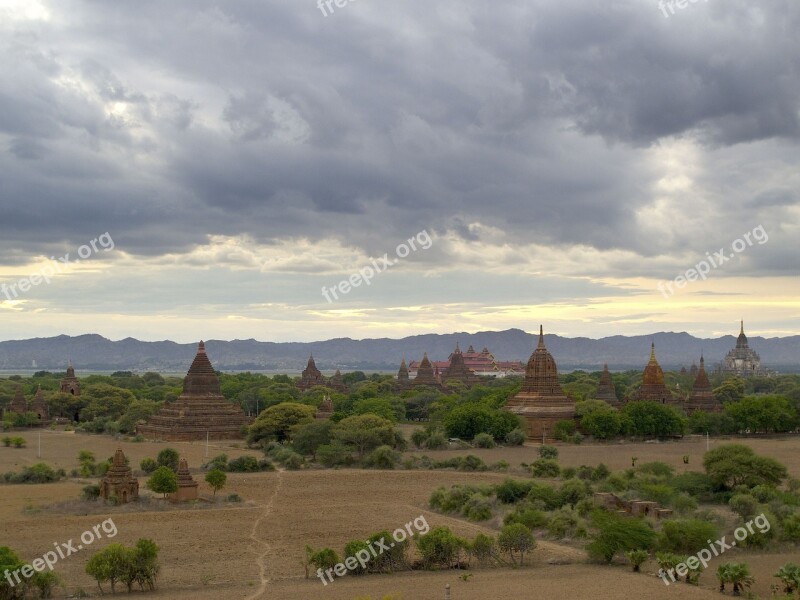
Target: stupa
column 39, row 406
column 119, row 481
column 403, row 382
column 653, row 387
column 325, row 410
column 458, row 372
column 311, row 376
column 18, row 405
column 605, row 388
column 187, row 486
column 541, row 402
column 702, row 397
column 425, row 374
column 201, row 411
column 70, row 383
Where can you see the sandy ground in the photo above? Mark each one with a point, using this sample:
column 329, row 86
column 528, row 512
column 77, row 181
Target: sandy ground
column 254, row 549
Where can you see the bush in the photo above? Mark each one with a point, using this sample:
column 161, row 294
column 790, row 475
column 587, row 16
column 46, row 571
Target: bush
column 544, row 496
column 354, row 547
column 419, row 437
column 516, row 437
column 619, row 534
column 168, row 457
column 326, row 558
column 564, row 430
column 566, row 523
column 545, row 468
column 791, row 528
column 334, row 455
column 483, row 547
column 148, row 465
column 478, row 508
column 439, row 548
column 573, row 491
column 90, row 492
column 383, row 457
column 484, row 440
column 743, row 505
column 516, row 538
column 527, row 515
column 547, row 451
column 244, row 464
column 436, row 441
column 220, row 461
column 38, row 473
column 18, row 442
column 685, row 536
column 512, row 490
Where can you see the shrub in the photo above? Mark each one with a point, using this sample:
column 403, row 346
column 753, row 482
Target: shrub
column 7, row 442
column 564, row 430
column 547, row 451
column 18, row 442
column 419, row 437
column 572, row 491
column 516, row 538
column 527, row 515
column 244, row 464
column 90, row 492
column 326, row 558
column 436, row 441
column 439, row 548
column 478, row 508
column 168, row 457
column 516, row 437
column 233, row 498
column 545, row 468
column 791, row 528
column 220, row 461
column 334, row 455
column 483, row 547
column 659, row 469
column 512, row 490
column 601, row 472
column 543, row 495
column 148, row 465
column 354, row 547
column 637, row 558
column 743, row 505
column 686, row 535
column 566, row 523
column 484, row 440
column 383, row 457
column 618, row 534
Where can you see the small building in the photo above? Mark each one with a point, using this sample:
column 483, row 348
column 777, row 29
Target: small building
column 119, row 481
column 311, row 376
column 325, row 410
column 18, row 405
column 39, row 406
column 187, row 486
column 337, row 383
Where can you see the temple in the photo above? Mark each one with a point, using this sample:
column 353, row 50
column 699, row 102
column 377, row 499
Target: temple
column 200, row 412
column 119, row 482
column 70, row 383
column 743, row 361
column 481, row 363
column 337, row 383
column 18, row 405
column 425, row 374
column 39, row 406
column 187, row 486
column 702, row 397
column 403, row 382
column 541, row 402
column 605, row 389
column 458, row 372
column 311, row 376
column 325, row 410
column 653, row 387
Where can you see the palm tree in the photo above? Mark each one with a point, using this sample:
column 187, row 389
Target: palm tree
column 740, row 577
column 637, row 558
column 789, row 574
column 723, row 574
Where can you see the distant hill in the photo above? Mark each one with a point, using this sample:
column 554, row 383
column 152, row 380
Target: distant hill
column 94, row 352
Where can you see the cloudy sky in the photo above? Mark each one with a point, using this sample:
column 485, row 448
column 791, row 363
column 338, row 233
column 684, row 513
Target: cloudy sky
column 563, row 156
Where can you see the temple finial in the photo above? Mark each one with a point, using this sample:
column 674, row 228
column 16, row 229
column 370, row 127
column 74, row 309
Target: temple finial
column 541, row 336
column 741, row 332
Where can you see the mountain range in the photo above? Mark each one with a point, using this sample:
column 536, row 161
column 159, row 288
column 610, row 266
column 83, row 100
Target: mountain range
column 93, row 352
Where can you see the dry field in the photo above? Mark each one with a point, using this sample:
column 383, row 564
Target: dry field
column 255, row 549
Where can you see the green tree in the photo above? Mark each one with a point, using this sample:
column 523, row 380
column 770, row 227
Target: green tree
column 364, row 433
column 10, row 562
column 148, row 465
column 468, row 420
column 637, row 558
column 163, row 481
column 111, row 564
column 307, row 438
column 686, row 535
column 731, row 465
column 516, row 538
column 603, row 424
column 168, row 457
column 278, row 421
column 439, row 548
column 216, row 479
column 652, row 419
column 789, row 574
column 618, row 534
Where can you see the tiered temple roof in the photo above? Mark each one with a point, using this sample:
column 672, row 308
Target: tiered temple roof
column 337, row 382
column 425, row 374
column 311, row 376
column 39, row 406
column 653, row 387
column 403, row 381
column 187, row 486
column 18, row 404
column 743, row 361
column 458, row 372
column 325, row 410
column 70, row 383
column 119, row 480
column 200, row 411
column 702, row 397
column 605, row 389
column 542, row 402
column 480, row 363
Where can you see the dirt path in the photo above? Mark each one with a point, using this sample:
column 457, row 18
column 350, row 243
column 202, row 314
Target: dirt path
column 261, row 559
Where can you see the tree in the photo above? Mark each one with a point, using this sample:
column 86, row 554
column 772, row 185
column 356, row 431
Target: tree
column 144, row 567
column 278, row 421
column 483, row 547
column 216, row 479
column 363, row 433
column 307, row 438
column 763, row 413
column 168, row 457
column 637, row 558
column 731, row 465
column 603, row 423
column 516, row 538
column 10, row 562
column 111, row 564
column 163, row 481
column 618, row 534
column 468, row 420
column 686, row 535
column 547, row 451
column 148, row 465
column 739, row 575
column 652, row 419
column 789, row 574
column 439, row 547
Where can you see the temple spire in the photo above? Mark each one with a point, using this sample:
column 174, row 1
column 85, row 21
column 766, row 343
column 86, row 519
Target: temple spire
column 652, row 352
column 741, row 331
column 541, row 337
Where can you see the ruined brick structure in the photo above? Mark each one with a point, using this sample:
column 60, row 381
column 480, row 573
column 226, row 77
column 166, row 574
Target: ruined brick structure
column 325, row 410
column 70, row 383
column 39, row 406
column 119, row 481
column 18, row 405
column 200, row 411
column 403, row 382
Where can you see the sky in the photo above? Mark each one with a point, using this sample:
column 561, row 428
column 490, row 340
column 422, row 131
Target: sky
column 218, row 167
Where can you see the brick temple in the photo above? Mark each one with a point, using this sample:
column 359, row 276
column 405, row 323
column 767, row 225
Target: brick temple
column 743, row 361
column 702, row 397
column 403, row 381
column 541, row 402
column 39, row 406
column 311, row 376
column 457, row 371
column 200, row 411
column 70, row 383
column 18, row 405
column 119, row 480
column 653, row 387
column 325, row 410
column 605, row 389
column 426, row 374
column 187, row 486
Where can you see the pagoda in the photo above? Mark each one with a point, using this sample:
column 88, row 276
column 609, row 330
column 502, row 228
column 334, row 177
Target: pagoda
column 18, row 405
column 119, row 481
column 541, row 402
column 425, row 374
column 702, row 397
column 187, row 486
column 311, row 376
column 200, row 412
column 325, row 410
column 458, row 372
column 693, row 370
column 653, row 387
column 337, row 383
column 70, row 383
column 743, row 361
column 605, row 389
column 39, row 406
column 403, row 382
